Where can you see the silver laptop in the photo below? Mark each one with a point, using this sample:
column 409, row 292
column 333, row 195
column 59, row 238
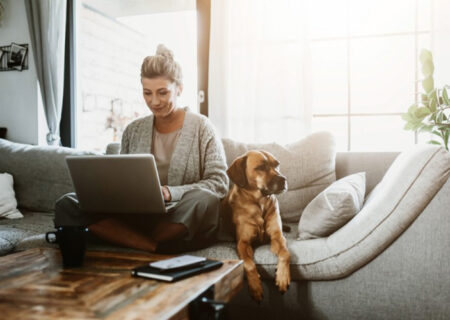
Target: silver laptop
column 118, row 184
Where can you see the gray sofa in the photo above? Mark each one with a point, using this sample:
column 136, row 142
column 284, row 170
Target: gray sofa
column 399, row 269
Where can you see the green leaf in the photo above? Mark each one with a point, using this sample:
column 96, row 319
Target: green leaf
column 431, row 94
column 427, row 128
column 445, row 96
column 439, row 116
column 422, row 112
column 412, row 110
column 409, row 126
column 437, row 133
column 424, row 98
column 434, row 142
column 406, row 117
column 427, row 68
column 428, row 84
column 416, row 125
column 425, row 55
column 433, row 104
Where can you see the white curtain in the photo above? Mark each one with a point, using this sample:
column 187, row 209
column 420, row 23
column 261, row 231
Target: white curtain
column 47, row 25
column 259, row 78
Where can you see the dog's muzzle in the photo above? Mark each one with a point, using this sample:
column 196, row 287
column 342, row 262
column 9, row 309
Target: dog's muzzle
column 277, row 185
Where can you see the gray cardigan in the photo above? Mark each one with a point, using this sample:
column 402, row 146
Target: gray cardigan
column 198, row 160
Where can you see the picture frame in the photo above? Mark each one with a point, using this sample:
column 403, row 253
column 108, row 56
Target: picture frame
column 17, row 56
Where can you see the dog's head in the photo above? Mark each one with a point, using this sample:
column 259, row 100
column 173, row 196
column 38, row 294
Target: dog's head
column 258, row 170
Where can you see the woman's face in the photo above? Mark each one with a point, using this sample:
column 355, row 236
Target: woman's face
column 160, row 95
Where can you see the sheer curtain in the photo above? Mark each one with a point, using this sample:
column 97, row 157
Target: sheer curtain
column 259, row 77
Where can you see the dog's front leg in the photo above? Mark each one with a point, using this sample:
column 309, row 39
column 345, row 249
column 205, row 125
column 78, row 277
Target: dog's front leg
column 245, row 252
column 279, row 248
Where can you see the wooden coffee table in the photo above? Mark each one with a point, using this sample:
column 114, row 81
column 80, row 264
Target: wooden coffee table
column 33, row 285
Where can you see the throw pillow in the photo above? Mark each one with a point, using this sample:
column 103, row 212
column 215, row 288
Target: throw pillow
column 8, row 202
column 333, row 207
column 308, row 164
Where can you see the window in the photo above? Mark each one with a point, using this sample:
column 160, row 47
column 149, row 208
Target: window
column 113, row 38
column 365, row 68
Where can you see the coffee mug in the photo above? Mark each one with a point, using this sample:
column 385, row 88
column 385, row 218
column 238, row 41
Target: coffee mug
column 72, row 243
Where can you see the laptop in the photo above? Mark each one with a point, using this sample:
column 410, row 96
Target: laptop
column 118, row 184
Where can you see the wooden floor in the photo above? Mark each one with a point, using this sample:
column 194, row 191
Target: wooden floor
column 33, row 285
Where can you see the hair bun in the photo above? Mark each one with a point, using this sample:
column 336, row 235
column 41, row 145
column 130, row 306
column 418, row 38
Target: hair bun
column 162, row 50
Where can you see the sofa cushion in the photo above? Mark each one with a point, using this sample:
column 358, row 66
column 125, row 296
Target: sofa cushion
column 333, row 207
column 40, row 173
column 308, row 164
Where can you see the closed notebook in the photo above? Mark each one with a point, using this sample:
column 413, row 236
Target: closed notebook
column 175, row 274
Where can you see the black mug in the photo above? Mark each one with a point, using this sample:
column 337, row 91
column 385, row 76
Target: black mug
column 72, row 243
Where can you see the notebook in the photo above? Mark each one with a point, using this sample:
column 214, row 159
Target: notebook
column 175, row 274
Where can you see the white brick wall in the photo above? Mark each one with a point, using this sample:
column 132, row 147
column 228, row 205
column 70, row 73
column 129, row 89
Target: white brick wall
column 109, row 60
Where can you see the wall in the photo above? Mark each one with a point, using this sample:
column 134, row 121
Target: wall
column 18, row 90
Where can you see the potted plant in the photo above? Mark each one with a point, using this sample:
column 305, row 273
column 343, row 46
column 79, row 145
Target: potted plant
column 432, row 112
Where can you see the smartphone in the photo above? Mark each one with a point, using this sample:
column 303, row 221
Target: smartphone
column 177, row 262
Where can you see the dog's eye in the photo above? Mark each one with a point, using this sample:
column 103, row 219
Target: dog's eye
column 263, row 167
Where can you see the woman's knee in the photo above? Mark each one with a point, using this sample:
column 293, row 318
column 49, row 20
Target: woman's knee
column 66, row 202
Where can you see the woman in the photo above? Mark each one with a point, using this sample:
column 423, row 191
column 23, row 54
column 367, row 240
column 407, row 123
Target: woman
column 190, row 162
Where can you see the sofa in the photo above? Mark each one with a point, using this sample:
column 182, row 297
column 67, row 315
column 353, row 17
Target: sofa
column 391, row 261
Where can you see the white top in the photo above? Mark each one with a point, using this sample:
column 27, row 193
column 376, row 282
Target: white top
column 163, row 146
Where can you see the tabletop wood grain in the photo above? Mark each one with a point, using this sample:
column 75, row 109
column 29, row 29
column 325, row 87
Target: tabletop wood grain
column 33, row 285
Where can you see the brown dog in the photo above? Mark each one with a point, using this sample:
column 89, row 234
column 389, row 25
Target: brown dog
column 256, row 215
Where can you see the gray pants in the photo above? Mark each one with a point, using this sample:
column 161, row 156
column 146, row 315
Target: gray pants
column 198, row 210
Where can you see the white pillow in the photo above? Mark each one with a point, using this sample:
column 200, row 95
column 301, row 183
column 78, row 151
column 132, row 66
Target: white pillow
column 8, row 202
column 333, row 207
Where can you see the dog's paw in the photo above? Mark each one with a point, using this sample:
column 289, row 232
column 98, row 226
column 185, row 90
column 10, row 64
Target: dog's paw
column 282, row 279
column 256, row 291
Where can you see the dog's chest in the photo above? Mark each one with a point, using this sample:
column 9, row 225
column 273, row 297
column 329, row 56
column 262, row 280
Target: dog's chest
column 264, row 205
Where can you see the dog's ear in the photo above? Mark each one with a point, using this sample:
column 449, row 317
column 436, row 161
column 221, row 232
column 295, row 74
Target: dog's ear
column 236, row 171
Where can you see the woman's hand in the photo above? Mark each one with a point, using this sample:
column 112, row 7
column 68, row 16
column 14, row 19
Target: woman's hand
column 166, row 193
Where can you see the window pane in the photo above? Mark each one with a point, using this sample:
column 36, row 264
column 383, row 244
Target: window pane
column 110, row 51
column 269, row 108
column 424, row 15
column 382, row 74
column 329, row 76
column 337, row 126
column 327, row 18
column 379, row 133
column 381, row 16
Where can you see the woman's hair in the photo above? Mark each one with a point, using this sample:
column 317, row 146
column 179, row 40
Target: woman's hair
column 162, row 64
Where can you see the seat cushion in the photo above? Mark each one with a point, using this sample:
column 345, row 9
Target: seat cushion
column 308, row 164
